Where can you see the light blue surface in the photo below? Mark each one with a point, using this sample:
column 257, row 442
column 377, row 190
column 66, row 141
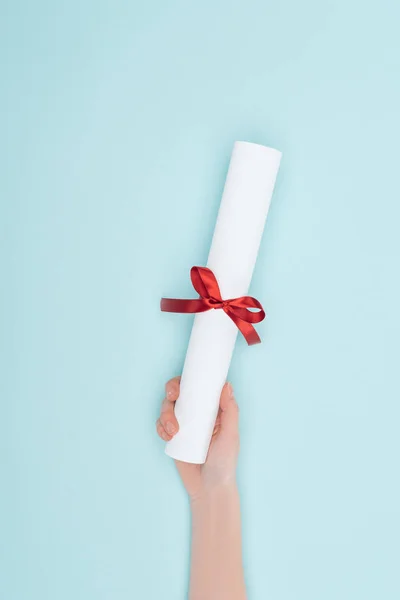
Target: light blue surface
column 118, row 119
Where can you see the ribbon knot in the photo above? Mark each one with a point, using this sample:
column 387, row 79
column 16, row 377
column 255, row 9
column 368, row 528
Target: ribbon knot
column 215, row 303
column 238, row 309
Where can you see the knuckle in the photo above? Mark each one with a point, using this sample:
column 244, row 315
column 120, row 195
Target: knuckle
column 167, row 415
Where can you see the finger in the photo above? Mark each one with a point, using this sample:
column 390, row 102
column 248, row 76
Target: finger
column 172, row 389
column 216, row 431
column 161, row 432
column 229, row 411
column 167, row 417
column 217, row 425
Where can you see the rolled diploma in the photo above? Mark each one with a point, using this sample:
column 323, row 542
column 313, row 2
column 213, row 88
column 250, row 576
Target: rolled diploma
column 240, row 224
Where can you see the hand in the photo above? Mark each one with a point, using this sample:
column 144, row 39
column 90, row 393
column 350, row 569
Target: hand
column 220, row 466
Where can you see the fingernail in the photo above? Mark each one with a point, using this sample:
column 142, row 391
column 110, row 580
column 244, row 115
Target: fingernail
column 229, row 389
column 169, row 428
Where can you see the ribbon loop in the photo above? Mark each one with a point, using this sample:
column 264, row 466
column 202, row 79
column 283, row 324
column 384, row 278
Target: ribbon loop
column 238, row 309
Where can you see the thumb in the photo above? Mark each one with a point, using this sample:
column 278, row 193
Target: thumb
column 229, row 412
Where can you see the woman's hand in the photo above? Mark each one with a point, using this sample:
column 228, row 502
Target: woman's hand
column 220, row 466
column 216, row 563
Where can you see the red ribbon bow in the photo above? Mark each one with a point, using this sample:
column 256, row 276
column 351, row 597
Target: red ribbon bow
column 238, row 309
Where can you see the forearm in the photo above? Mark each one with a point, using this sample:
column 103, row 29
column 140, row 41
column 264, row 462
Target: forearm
column 216, row 567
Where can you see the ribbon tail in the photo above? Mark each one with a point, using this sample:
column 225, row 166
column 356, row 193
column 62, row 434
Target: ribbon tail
column 178, row 305
column 246, row 329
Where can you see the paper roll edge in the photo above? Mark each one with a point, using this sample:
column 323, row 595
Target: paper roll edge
column 185, row 456
column 258, row 147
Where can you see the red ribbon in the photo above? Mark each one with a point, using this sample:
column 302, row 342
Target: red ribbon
column 238, row 309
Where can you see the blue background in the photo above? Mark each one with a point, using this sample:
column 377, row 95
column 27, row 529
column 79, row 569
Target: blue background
column 118, row 120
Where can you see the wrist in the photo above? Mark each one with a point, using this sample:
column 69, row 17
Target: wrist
column 217, row 493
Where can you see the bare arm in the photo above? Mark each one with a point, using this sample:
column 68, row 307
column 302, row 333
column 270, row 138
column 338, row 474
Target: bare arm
column 216, row 563
column 216, row 569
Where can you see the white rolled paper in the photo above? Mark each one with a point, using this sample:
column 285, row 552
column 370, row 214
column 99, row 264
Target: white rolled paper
column 237, row 236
